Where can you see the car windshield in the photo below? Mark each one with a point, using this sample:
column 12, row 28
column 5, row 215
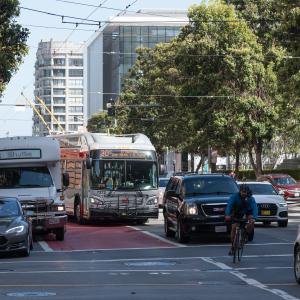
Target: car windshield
column 262, row 189
column 9, row 208
column 25, row 177
column 284, row 181
column 209, row 185
column 163, row 182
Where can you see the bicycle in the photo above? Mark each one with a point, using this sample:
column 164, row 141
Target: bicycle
column 240, row 239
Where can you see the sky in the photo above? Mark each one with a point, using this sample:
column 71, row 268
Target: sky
column 17, row 121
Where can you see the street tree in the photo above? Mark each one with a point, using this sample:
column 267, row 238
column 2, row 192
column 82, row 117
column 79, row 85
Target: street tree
column 12, row 41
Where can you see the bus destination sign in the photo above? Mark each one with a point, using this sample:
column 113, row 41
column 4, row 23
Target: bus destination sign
column 129, row 154
column 20, row 154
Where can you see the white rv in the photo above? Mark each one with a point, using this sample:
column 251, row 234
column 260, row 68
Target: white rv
column 30, row 171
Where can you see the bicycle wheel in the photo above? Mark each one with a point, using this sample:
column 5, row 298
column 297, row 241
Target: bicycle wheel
column 235, row 245
column 241, row 244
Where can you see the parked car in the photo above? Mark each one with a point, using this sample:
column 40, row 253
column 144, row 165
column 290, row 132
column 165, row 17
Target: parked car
column 297, row 257
column 284, row 184
column 163, row 181
column 15, row 229
column 271, row 206
column 194, row 204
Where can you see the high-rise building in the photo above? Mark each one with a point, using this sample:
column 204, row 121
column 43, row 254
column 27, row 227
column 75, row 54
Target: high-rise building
column 59, row 83
column 112, row 51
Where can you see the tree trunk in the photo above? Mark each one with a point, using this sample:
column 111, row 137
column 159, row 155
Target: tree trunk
column 200, row 163
column 237, row 158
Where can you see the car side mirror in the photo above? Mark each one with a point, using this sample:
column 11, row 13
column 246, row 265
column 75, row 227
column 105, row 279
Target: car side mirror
column 66, row 179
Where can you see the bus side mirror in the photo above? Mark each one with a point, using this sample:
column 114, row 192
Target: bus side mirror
column 66, row 179
column 162, row 169
column 88, row 162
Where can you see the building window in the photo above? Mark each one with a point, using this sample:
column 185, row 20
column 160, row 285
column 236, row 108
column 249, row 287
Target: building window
column 59, row 82
column 75, row 82
column 76, row 91
column 59, row 91
column 75, row 109
column 75, row 118
column 59, row 109
column 59, row 61
column 60, row 118
column 47, row 92
column 59, row 72
column 76, row 72
column 57, row 128
column 73, row 127
column 47, row 100
column 75, row 100
column 59, row 100
column 46, row 73
column 76, row 62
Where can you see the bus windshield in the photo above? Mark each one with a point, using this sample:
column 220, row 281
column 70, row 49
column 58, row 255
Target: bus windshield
column 25, row 177
column 124, row 175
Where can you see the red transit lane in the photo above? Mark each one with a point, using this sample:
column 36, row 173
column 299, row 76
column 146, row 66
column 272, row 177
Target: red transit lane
column 89, row 237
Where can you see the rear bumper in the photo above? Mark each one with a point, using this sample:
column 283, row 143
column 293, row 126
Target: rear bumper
column 47, row 223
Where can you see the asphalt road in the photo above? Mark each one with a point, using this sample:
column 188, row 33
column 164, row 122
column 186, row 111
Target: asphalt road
column 139, row 263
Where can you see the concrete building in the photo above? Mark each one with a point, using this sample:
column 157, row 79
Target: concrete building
column 111, row 52
column 59, row 83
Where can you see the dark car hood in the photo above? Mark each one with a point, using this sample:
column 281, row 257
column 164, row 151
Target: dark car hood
column 211, row 198
column 7, row 222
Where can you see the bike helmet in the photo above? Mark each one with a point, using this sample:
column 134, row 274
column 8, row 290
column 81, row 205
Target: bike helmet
column 245, row 188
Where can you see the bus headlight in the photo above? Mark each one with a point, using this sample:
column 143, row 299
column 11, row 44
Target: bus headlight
column 152, row 200
column 191, row 209
column 95, row 202
column 59, row 208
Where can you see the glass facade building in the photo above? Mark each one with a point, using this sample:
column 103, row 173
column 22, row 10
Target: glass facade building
column 113, row 51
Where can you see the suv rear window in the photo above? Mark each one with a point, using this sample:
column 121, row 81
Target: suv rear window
column 209, row 185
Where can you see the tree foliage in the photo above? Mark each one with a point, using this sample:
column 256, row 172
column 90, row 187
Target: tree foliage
column 12, row 41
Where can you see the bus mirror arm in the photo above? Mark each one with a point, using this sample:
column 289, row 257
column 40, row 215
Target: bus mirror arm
column 66, row 179
column 88, row 162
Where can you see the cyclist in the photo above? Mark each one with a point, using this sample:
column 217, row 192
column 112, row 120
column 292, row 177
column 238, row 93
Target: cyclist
column 240, row 205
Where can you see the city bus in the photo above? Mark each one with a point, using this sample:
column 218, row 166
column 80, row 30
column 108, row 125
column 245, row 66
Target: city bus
column 111, row 177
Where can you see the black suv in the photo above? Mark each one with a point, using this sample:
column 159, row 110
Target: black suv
column 196, row 203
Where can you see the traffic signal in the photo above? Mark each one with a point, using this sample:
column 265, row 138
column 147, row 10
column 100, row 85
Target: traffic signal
column 110, row 108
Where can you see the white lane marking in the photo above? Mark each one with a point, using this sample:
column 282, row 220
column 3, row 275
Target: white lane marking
column 157, row 237
column 251, row 281
column 45, row 246
column 136, row 259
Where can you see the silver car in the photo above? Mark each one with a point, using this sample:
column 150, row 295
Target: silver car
column 297, row 257
column 163, row 181
column 271, row 206
column 15, row 229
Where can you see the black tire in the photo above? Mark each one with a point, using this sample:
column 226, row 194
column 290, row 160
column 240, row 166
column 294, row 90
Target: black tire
column 77, row 214
column 168, row 232
column 243, row 238
column 26, row 252
column 235, row 247
column 250, row 236
column 297, row 264
column 182, row 237
column 141, row 221
column 283, row 223
column 60, row 234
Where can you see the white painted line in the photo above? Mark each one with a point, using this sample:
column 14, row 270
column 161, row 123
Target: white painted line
column 158, row 237
column 251, row 281
column 45, row 246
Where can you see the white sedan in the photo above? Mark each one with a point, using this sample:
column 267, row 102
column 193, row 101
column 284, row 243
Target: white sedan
column 271, row 206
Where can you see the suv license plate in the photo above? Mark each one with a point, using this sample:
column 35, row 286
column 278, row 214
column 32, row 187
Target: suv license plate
column 53, row 221
column 220, row 228
column 265, row 213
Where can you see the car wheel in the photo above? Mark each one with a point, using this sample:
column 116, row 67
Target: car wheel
column 141, row 221
column 297, row 264
column 182, row 237
column 60, row 234
column 26, row 251
column 251, row 236
column 78, row 217
column 283, row 223
column 168, row 232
